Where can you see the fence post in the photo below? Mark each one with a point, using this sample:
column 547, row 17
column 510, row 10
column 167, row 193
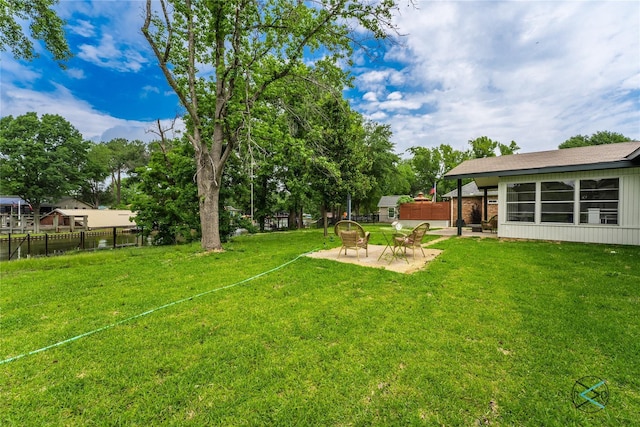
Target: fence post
column 46, row 244
column 28, row 244
column 9, row 247
column 114, row 237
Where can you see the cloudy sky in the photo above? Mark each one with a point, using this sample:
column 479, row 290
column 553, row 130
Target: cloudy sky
column 535, row 72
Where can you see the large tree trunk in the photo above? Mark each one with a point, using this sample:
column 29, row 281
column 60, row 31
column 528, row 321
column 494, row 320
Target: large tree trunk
column 209, row 196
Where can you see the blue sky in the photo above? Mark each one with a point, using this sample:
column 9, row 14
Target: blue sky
column 536, row 72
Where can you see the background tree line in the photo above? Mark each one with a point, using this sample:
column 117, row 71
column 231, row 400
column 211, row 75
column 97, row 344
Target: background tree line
column 301, row 159
column 267, row 130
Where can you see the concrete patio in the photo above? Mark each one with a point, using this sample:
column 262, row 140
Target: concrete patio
column 398, row 264
column 387, row 262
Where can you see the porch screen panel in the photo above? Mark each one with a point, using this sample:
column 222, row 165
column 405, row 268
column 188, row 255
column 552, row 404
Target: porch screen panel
column 599, row 200
column 521, row 202
column 557, row 201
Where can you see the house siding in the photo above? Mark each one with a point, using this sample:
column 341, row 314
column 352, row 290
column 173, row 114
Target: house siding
column 627, row 232
column 384, row 214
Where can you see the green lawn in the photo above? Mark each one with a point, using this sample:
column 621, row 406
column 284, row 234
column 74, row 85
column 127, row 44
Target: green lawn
column 491, row 333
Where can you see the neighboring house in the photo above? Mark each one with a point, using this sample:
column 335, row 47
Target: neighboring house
column 71, row 203
column 473, row 196
column 388, row 208
column 585, row 194
column 89, row 219
column 9, row 204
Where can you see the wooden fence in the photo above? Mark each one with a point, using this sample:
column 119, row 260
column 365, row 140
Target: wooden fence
column 427, row 211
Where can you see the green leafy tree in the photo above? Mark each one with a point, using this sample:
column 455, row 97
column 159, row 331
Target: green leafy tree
column 598, row 138
column 44, row 25
column 343, row 167
column 505, row 150
column 429, row 166
column 41, row 159
column 222, row 56
column 166, row 199
column 124, row 157
column 380, row 150
column 96, row 171
column 404, row 181
column 486, row 147
column 450, row 159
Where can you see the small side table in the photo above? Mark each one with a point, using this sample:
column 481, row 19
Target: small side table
column 395, row 250
column 389, row 246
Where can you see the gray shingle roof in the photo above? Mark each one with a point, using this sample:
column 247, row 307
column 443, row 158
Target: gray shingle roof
column 608, row 156
column 386, row 201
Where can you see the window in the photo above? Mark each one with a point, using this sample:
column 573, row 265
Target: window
column 599, row 201
column 521, row 202
column 392, row 212
column 557, row 201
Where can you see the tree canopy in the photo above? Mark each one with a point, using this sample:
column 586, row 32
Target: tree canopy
column 486, row 147
column 44, row 25
column 598, row 138
column 222, row 56
column 42, row 158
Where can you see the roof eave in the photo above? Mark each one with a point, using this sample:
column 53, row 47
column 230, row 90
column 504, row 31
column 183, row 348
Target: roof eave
column 634, row 156
column 552, row 169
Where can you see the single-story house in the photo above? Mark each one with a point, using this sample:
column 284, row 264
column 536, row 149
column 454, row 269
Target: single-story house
column 388, row 208
column 89, row 219
column 473, row 197
column 584, row 194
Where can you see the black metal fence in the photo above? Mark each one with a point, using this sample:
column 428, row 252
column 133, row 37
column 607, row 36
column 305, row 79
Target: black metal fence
column 371, row 218
column 12, row 248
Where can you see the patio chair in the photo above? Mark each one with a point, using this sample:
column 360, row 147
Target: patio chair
column 352, row 236
column 412, row 240
column 491, row 224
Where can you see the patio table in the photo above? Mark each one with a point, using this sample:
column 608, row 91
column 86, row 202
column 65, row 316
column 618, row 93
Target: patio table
column 390, row 243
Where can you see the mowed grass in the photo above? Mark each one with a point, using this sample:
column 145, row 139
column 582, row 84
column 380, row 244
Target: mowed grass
column 491, row 333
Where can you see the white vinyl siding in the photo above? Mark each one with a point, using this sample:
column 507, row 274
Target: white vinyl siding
column 625, row 231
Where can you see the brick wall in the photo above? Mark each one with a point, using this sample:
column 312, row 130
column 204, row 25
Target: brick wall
column 467, row 206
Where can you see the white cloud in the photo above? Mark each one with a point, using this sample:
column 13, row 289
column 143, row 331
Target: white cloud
column 148, row 89
column 370, row 96
column 16, row 71
column 82, row 27
column 394, row 96
column 76, row 73
column 108, row 54
column 534, row 72
column 92, row 124
column 374, row 79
